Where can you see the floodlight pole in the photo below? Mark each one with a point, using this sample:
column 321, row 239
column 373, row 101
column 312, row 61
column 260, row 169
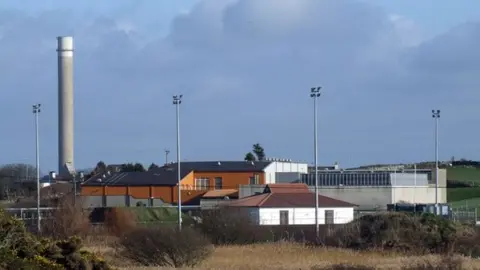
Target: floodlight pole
column 315, row 94
column 166, row 155
column 177, row 100
column 436, row 117
column 36, row 111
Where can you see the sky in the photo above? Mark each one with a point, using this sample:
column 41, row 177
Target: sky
column 245, row 69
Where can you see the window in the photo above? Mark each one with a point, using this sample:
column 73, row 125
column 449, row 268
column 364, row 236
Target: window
column 218, row 182
column 255, row 180
column 201, row 183
column 329, row 217
column 283, row 217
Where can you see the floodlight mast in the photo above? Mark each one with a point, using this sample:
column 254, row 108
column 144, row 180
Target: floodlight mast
column 177, row 100
column 36, row 112
column 315, row 94
column 436, row 117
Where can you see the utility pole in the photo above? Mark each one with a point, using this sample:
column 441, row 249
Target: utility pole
column 315, row 94
column 177, row 100
column 36, row 111
column 166, row 155
column 436, row 117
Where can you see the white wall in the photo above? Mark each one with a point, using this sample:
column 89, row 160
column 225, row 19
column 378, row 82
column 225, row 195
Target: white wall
column 417, row 194
column 277, row 166
column 300, row 216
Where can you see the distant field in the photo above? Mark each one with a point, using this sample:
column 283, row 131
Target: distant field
column 461, row 194
column 469, row 203
column 461, row 174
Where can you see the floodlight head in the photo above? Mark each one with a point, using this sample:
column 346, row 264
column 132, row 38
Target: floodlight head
column 312, row 89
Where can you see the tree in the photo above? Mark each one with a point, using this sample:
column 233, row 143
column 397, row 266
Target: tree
column 100, row 168
column 250, row 157
column 153, row 166
column 131, row 167
column 259, row 151
column 19, row 171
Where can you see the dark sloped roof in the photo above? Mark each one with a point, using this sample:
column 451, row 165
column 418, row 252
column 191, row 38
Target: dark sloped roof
column 220, row 166
column 161, row 177
column 289, row 200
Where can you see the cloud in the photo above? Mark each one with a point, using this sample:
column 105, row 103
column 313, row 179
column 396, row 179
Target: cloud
column 245, row 68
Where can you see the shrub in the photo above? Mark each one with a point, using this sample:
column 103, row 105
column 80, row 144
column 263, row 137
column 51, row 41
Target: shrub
column 22, row 250
column 119, row 221
column 399, row 232
column 165, row 246
column 227, row 226
column 68, row 219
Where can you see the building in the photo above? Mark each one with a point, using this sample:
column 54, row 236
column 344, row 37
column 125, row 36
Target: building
column 376, row 189
column 372, row 189
column 160, row 185
column 294, row 204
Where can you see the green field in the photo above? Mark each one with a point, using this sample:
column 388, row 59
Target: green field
column 462, row 174
column 464, row 197
column 461, row 194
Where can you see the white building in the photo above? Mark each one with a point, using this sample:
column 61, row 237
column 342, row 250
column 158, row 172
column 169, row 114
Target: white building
column 294, row 204
column 283, row 166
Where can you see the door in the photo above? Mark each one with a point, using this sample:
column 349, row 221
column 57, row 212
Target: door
column 329, row 217
column 283, row 217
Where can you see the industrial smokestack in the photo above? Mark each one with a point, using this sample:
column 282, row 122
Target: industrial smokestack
column 65, row 103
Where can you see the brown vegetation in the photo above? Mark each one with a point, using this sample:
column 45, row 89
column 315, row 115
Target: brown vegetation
column 165, row 246
column 68, row 219
column 118, row 221
column 384, row 241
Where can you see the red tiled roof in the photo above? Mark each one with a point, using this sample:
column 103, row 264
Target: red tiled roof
column 221, row 193
column 287, row 188
column 288, row 200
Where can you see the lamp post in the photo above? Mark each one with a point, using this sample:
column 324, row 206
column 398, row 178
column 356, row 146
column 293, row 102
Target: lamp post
column 177, row 100
column 436, row 117
column 315, row 94
column 166, row 155
column 36, row 111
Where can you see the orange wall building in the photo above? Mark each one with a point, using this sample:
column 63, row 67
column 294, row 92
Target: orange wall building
column 159, row 186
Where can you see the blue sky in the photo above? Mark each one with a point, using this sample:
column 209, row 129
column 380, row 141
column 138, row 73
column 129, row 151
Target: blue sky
column 245, row 68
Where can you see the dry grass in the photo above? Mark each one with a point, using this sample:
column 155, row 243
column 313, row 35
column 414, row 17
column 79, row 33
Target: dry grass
column 296, row 256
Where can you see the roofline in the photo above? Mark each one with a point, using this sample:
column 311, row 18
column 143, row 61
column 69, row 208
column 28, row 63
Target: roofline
column 154, row 185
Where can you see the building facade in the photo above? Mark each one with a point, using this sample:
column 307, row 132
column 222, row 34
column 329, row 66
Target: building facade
column 293, row 204
column 160, row 185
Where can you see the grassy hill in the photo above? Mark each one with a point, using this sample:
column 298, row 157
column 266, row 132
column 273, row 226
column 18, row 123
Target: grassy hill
column 465, row 175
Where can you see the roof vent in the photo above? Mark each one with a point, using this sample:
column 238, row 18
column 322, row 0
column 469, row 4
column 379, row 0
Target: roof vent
column 219, row 163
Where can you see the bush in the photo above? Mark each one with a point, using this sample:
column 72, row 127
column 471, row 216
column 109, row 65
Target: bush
column 166, row 246
column 69, row 219
column 227, row 226
column 119, row 221
column 22, row 250
column 401, row 232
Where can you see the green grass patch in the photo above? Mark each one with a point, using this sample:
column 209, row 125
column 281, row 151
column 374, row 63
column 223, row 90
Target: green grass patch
column 460, row 194
column 462, row 174
column 473, row 203
column 157, row 214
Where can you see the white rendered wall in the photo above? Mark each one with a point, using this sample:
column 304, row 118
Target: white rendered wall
column 301, row 216
column 425, row 194
column 277, row 166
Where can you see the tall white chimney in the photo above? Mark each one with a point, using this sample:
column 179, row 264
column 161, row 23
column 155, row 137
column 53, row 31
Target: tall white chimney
column 65, row 103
